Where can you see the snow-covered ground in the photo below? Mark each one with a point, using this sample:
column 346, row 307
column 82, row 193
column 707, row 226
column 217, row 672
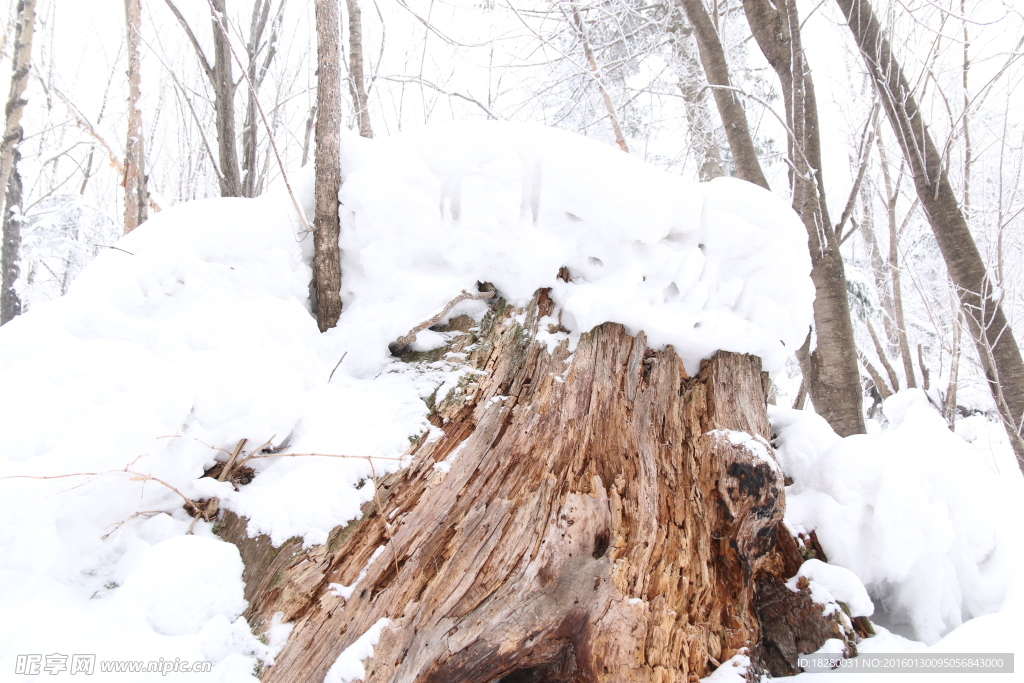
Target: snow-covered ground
column 195, row 333
column 926, row 519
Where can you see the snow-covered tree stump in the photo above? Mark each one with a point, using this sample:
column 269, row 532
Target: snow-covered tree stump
column 595, row 515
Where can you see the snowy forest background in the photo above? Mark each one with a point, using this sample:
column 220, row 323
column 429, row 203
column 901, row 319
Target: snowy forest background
column 436, row 61
column 204, row 334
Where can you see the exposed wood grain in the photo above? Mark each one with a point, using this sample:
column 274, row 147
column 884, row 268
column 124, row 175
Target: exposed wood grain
column 589, row 527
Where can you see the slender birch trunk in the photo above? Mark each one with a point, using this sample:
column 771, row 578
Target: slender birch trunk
column 136, row 197
column 224, row 106
column 10, row 301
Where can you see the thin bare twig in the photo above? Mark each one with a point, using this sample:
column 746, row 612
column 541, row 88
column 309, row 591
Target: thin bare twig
column 135, row 476
column 318, row 455
column 338, row 365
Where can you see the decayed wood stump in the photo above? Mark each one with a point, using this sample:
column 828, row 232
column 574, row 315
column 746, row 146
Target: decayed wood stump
column 593, row 526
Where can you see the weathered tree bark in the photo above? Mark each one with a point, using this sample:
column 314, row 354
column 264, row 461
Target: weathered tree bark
column 832, row 364
column 730, row 108
column 356, row 79
column 327, row 160
column 588, row 523
column 10, row 182
column 136, row 198
column 997, row 348
column 10, row 259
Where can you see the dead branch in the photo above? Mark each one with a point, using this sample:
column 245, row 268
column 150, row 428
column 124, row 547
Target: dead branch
column 402, row 342
column 231, row 461
column 880, row 350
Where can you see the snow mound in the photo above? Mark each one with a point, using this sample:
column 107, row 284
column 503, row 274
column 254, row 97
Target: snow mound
column 194, row 334
column 703, row 267
column 918, row 514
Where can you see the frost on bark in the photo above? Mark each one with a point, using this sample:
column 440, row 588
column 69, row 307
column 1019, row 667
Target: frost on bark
column 136, row 198
column 979, row 299
column 589, row 524
column 326, row 162
column 10, row 182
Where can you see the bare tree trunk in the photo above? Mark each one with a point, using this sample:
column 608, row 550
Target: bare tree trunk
column 10, row 181
column 224, row 105
column 327, row 165
column 737, row 131
column 592, row 528
column 136, row 197
column 949, row 407
column 10, row 261
column 832, row 365
column 356, row 79
column 997, row 348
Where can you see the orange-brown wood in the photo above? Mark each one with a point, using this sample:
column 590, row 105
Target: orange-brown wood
column 591, row 527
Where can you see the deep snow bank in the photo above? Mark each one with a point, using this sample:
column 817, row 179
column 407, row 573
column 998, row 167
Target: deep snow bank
column 926, row 519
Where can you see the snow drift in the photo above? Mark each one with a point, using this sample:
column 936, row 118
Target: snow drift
column 921, row 516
